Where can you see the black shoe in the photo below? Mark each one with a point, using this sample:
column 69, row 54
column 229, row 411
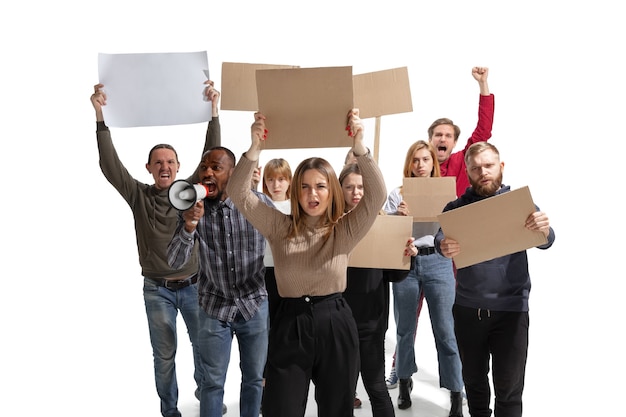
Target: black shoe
column 224, row 409
column 404, row 397
column 456, row 404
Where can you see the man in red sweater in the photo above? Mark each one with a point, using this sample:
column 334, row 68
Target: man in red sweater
column 444, row 134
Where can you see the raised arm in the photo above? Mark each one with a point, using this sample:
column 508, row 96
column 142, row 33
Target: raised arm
column 486, row 105
column 213, row 134
column 214, row 131
column 372, row 177
column 263, row 217
column 481, row 74
column 355, row 129
column 114, row 171
column 258, row 133
column 360, row 219
column 98, row 99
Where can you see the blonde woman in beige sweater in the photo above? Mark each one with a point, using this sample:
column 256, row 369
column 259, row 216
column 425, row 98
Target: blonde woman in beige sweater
column 314, row 337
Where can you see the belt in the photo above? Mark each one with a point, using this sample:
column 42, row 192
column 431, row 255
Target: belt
column 429, row 250
column 174, row 285
column 312, row 299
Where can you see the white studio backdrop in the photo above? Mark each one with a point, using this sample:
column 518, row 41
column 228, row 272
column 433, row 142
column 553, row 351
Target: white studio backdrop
column 74, row 325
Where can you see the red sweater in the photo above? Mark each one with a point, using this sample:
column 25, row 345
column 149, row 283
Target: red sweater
column 455, row 165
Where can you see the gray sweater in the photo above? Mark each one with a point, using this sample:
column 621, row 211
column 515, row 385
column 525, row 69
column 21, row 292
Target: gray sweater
column 155, row 219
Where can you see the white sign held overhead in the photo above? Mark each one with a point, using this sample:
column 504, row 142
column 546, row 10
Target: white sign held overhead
column 154, row 89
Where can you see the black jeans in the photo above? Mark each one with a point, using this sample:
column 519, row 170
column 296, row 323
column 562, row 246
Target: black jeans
column 503, row 337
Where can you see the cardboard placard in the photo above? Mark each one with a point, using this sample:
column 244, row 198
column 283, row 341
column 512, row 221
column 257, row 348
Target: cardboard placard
column 238, row 88
column 382, row 92
column 427, row 196
column 492, row 227
column 305, row 107
column 154, row 89
column 383, row 246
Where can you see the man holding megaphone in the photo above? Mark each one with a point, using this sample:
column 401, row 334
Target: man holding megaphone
column 231, row 286
column 166, row 290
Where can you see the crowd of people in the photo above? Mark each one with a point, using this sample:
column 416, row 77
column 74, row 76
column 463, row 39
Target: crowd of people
column 271, row 268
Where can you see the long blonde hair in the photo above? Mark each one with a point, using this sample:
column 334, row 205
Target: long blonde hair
column 336, row 204
column 421, row 144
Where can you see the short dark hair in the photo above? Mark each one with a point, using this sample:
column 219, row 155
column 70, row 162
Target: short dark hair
column 228, row 152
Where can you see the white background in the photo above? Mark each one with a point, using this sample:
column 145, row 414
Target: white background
column 74, row 333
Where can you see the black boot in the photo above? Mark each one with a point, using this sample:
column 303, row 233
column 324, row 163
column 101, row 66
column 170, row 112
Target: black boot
column 456, row 404
column 404, row 397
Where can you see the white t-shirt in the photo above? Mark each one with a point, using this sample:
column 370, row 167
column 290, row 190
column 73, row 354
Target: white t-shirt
column 285, row 208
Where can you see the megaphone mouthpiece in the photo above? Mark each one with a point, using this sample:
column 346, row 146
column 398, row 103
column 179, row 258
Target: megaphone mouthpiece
column 183, row 195
column 187, row 194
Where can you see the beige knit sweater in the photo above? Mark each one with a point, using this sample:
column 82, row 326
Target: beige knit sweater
column 309, row 264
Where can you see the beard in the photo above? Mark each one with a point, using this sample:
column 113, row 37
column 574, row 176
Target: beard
column 489, row 189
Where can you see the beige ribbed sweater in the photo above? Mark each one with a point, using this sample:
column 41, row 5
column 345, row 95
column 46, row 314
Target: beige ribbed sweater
column 309, row 264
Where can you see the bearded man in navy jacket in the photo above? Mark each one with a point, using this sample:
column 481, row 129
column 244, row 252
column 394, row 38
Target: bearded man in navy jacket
column 491, row 305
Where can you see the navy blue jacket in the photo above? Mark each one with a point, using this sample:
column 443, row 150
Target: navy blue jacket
column 501, row 284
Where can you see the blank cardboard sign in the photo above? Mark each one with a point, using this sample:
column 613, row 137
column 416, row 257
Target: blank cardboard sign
column 305, row 107
column 382, row 92
column 492, row 227
column 426, row 197
column 238, row 89
column 383, row 246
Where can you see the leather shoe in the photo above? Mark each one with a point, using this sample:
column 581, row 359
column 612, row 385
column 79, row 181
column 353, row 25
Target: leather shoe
column 404, row 398
column 456, row 404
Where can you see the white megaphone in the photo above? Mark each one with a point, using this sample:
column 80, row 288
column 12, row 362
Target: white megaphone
column 183, row 194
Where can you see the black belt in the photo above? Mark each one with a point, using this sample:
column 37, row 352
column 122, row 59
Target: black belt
column 426, row 251
column 312, row 299
column 174, row 285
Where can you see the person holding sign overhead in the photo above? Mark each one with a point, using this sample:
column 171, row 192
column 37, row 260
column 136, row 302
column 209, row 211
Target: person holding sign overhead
column 491, row 307
column 166, row 290
column 314, row 335
column 433, row 277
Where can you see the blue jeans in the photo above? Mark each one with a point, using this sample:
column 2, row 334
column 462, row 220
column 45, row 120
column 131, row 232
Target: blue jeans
column 433, row 276
column 216, row 338
column 162, row 306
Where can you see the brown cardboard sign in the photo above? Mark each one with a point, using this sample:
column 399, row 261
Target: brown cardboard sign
column 427, row 196
column 238, row 89
column 492, row 227
column 382, row 92
column 383, row 246
column 305, row 107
